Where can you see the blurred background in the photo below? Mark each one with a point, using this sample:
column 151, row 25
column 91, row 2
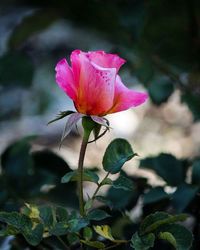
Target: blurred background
column 160, row 41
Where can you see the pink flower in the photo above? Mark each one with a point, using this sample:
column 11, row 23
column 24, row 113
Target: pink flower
column 93, row 83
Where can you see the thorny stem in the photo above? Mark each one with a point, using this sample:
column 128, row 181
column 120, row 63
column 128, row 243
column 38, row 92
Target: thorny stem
column 80, row 172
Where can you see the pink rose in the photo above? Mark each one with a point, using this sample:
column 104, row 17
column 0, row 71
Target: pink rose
column 93, row 83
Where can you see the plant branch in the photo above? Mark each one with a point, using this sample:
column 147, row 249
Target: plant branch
column 80, row 172
column 99, row 186
column 63, row 243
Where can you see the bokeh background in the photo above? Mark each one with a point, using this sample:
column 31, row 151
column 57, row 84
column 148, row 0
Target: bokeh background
column 160, row 41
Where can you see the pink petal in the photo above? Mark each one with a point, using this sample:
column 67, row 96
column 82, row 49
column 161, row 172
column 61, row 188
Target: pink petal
column 65, row 79
column 76, row 65
column 106, row 60
column 126, row 98
column 96, row 86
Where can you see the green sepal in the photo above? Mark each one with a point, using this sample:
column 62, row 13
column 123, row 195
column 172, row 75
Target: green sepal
column 61, row 115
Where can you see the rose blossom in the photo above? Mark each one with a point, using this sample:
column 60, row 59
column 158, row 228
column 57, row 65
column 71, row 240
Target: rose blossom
column 93, row 83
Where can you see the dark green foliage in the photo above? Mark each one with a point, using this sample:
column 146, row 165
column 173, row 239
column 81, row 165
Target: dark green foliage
column 176, row 235
column 155, row 195
column 142, row 242
column 125, row 197
column 88, row 175
column 183, row 196
column 97, row 215
column 16, row 69
column 32, row 24
column 160, row 90
column 47, row 216
column 94, row 244
column 87, row 233
column 39, row 224
column 24, row 174
column 34, row 236
column 117, row 153
column 173, row 171
column 123, row 183
column 23, row 224
column 153, row 222
column 162, row 226
column 196, row 173
column 193, row 103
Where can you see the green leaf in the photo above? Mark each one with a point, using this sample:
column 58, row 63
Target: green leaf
column 69, row 177
column 9, row 230
column 160, row 90
column 72, row 238
column 88, row 204
column 167, row 167
column 33, row 236
column 153, row 221
column 31, row 211
column 168, row 237
column 104, row 231
column 117, row 153
column 88, row 175
column 17, row 220
column 60, row 228
column 46, row 214
column 61, row 115
column 61, row 214
column 196, row 173
column 75, row 225
column 142, row 242
column 123, row 183
column 87, row 233
column 16, row 160
column 97, row 215
column 95, row 244
column 183, row 195
column 154, row 195
column 113, row 195
column 177, row 235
